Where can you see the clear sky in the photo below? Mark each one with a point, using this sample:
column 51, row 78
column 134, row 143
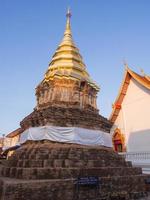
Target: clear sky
column 105, row 31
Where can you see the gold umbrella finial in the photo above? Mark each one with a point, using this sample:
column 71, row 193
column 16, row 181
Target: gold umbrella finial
column 142, row 72
column 125, row 64
column 68, row 26
column 68, row 15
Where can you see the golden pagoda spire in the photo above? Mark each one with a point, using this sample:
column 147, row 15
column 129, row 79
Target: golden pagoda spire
column 68, row 27
column 67, row 33
column 67, row 61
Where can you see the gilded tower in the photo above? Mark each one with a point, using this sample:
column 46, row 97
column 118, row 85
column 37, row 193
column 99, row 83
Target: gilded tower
column 67, row 82
column 67, row 96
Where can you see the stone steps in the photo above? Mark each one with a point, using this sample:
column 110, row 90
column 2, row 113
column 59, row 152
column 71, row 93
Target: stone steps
column 52, row 155
column 114, row 187
column 48, row 170
column 57, row 173
column 61, row 153
column 66, row 163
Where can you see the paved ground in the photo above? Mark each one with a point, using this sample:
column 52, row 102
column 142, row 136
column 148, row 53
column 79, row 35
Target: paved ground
column 146, row 198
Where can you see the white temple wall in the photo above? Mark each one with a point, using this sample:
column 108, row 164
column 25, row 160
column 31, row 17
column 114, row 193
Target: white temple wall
column 134, row 118
column 15, row 140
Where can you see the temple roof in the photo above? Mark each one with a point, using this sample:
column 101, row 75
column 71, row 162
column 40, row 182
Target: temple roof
column 143, row 80
column 67, row 61
column 1, row 142
column 14, row 133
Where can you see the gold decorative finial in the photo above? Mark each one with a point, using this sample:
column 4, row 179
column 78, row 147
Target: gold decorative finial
column 125, row 64
column 68, row 27
column 68, row 15
column 142, row 72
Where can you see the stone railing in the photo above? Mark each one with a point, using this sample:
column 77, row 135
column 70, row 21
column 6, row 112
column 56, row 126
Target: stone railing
column 136, row 156
column 139, row 159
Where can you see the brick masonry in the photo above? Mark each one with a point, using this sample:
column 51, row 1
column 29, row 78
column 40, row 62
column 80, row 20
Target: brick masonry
column 65, row 117
column 47, row 170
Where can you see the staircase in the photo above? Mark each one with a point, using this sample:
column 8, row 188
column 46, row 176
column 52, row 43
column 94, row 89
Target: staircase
column 46, row 170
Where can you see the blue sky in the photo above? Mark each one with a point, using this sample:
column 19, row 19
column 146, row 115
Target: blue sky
column 105, row 31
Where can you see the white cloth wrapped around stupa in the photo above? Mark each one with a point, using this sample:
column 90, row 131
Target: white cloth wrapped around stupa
column 67, row 135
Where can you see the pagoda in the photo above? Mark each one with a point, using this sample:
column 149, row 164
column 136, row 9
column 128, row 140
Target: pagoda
column 67, row 95
column 65, row 140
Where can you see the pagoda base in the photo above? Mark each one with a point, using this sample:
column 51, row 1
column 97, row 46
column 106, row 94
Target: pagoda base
column 15, row 189
column 48, row 171
column 66, row 117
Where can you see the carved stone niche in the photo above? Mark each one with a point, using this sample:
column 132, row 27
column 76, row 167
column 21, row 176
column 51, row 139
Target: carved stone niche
column 76, row 96
column 87, row 96
column 66, row 93
column 83, row 85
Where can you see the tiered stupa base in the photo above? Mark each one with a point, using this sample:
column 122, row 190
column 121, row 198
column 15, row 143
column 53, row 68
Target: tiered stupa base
column 47, row 171
column 66, row 117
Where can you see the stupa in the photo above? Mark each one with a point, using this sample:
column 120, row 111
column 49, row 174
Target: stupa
column 67, row 94
column 66, row 140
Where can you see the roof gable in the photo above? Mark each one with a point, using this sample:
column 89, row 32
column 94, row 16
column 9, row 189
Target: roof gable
column 15, row 133
column 142, row 80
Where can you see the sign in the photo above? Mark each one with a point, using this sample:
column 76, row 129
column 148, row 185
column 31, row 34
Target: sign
column 147, row 181
column 88, row 181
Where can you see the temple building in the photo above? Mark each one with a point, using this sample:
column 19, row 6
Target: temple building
column 1, row 144
column 11, row 142
column 130, row 114
column 130, row 117
column 65, row 147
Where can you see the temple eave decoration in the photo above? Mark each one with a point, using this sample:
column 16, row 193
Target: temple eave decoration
column 143, row 80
